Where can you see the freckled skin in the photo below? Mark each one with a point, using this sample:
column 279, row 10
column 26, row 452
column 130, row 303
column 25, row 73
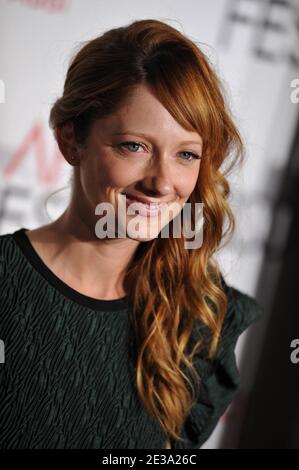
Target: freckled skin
column 158, row 171
column 157, row 168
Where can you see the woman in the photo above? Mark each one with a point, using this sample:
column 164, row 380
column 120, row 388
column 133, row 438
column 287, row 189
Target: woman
column 127, row 341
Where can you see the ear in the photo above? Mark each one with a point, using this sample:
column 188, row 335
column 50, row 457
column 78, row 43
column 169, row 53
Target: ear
column 67, row 143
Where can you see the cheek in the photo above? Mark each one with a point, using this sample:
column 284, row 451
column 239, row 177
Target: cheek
column 102, row 174
column 117, row 175
column 187, row 186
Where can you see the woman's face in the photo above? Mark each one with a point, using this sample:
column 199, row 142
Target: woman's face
column 142, row 152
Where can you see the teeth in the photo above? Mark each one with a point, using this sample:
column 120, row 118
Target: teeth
column 148, row 204
column 152, row 204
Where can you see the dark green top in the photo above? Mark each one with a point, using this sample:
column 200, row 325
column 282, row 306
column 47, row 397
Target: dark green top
column 67, row 380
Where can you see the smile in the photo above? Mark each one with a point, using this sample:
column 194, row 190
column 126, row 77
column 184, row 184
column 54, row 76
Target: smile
column 145, row 209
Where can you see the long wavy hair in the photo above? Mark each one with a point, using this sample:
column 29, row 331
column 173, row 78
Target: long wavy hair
column 175, row 291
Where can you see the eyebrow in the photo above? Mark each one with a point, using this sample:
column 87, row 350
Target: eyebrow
column 184, row 142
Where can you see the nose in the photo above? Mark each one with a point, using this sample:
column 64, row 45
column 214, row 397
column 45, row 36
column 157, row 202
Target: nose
column 158, row 180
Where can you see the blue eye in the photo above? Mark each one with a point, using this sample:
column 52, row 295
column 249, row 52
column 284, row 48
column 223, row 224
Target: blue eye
column 194, row 156
column 126, row 144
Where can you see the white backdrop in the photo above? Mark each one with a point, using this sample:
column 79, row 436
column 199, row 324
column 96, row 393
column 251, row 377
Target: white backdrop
column 256, row 64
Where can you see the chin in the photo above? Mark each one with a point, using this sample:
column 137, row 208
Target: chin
column 143, row 230
column 143, row 234
column 140, row 228
column 142, row 239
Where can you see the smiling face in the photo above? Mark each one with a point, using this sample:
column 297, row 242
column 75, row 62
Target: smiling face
column 143, row 152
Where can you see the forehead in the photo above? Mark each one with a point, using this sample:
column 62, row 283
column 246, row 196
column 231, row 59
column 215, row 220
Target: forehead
column 142, row 112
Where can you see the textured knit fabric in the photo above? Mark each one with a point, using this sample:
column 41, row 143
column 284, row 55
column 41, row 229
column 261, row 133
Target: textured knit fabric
column 67, row 380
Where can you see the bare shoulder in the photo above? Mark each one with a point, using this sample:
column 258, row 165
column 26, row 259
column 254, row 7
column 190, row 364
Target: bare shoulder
column 44, row 241
column 40, row 234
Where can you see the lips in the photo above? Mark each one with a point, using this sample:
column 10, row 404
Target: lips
column 143, row 200
column 147, row 208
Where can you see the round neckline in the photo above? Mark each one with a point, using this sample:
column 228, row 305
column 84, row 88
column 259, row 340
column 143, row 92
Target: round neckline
column 38, row 264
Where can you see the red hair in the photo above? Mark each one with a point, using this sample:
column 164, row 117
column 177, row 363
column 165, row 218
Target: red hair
column 175, row 291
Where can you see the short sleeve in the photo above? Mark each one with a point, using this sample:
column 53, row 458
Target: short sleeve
column 220, row 378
